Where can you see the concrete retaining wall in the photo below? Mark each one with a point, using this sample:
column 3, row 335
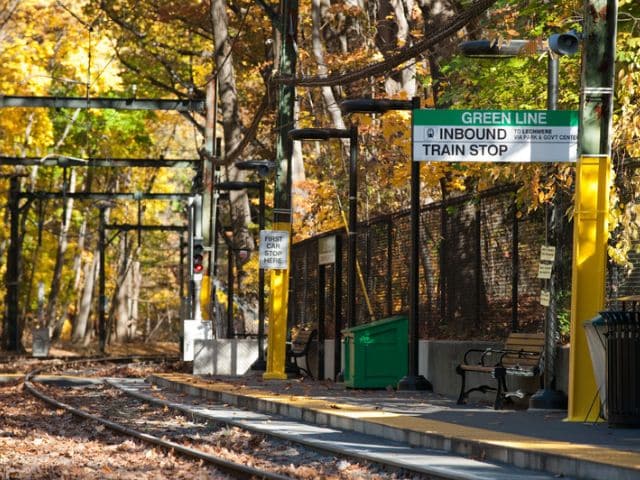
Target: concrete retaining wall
column 437, row 362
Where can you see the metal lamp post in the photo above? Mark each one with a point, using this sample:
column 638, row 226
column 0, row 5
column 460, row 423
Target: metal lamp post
column 352, row 135
column 262, row 167
column 412, row 381
column 559, row 44
column 228, row 186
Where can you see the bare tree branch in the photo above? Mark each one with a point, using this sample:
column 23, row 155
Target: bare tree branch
column 405, row 54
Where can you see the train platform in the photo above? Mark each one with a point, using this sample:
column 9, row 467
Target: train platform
column 537, row 440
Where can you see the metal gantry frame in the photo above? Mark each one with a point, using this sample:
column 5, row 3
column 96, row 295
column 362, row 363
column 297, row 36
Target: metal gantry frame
column 6, row 101
column 103, row 244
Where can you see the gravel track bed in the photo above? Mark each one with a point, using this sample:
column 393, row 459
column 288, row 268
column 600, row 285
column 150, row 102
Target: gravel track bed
column 37, row 442
column 231, row 443
column 228, row 442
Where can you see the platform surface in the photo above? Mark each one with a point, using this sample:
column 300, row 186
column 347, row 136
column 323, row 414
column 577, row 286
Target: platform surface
column 536, row 440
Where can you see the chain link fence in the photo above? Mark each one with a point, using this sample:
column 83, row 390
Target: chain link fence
column 478, row 270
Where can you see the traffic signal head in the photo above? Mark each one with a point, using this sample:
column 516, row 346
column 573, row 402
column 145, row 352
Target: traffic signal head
column 198, row 257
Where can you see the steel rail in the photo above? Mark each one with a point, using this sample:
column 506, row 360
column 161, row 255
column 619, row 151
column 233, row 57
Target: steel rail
column 242, row 471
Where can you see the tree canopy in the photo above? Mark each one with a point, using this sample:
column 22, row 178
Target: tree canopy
column 345, row 49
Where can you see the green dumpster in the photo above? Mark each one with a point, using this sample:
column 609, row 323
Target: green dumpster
column 376, row 354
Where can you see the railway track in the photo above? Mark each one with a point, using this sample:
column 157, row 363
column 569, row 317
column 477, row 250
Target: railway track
column 162, row 422
column 221, row 441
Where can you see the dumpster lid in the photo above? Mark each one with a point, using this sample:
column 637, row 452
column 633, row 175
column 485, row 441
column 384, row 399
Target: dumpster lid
column 383, row 321
column 619, row 316
column 596, row 321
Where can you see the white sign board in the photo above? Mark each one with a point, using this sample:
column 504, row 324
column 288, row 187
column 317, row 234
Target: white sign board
column 327, row 250
column 545, row 298
column 495, row 135
column 274, row 249
column 194, row 330
column 544, row 271
column 547, row 253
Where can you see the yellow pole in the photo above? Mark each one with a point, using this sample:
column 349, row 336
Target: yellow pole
column 278, row 302
column 592, row 199
column 588, row 285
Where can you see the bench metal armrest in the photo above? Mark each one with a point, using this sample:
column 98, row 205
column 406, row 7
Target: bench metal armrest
column 485, row 353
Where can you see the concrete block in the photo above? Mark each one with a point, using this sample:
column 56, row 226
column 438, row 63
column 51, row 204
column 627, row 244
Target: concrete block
column 40, row 343
column 194, row 330
column 224, row 356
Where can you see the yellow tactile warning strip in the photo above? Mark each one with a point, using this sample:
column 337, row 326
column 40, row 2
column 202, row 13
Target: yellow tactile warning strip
column 580, row 452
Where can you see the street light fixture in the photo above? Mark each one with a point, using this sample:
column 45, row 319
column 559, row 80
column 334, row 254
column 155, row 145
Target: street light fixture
column 263, row 168
column 558, row 45
column 412, row 381
column 352, row 135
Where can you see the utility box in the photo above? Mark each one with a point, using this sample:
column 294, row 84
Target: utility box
column 376, row 354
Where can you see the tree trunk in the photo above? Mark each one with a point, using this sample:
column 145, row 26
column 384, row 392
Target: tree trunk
column 63, row 242
column 134, row 298
column 241, row 215
column 80, row 327
column 437, row 13
column 119, row 311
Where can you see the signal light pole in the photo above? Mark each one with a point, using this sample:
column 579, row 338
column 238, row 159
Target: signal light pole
column 197, row 258
column 195, row 243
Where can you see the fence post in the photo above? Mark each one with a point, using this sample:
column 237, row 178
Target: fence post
column 321, row 313
column 337, row 305
column 389, row 267
column 515, row 260
column 478, row 249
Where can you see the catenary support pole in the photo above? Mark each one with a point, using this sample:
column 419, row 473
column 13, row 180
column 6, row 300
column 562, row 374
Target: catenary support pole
column 592, row 193
column 102, row 297
column 279, row 282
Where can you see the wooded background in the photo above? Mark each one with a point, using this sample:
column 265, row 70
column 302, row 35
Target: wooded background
column 173, row 49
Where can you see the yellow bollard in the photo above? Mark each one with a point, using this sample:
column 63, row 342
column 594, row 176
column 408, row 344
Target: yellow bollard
column 65, row 334
column 205, row 297
column 278, row 303
column 588, row 284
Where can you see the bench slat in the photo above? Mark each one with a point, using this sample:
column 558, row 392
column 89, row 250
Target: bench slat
column 533, row 344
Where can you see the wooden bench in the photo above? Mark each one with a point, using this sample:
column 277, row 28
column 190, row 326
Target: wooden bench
column 521, row 356
column 298, row 347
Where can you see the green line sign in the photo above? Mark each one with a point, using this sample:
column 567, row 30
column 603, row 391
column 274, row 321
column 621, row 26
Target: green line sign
column 495, row 135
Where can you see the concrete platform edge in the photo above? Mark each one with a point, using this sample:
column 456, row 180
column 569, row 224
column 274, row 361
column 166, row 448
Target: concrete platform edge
column 557, row 464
